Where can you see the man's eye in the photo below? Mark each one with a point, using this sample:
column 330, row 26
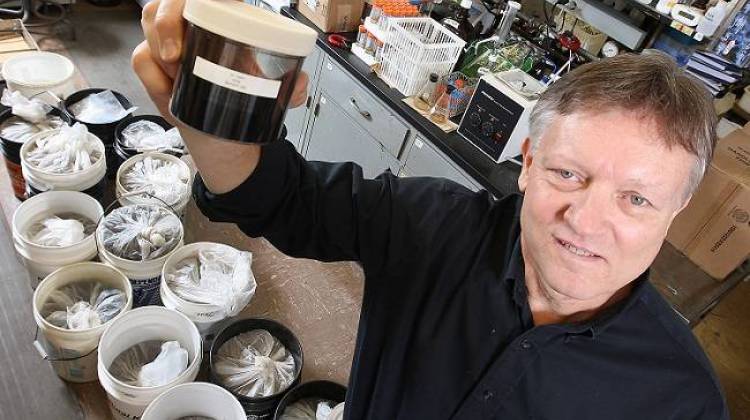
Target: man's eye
column 637, row 200
column 565, row 174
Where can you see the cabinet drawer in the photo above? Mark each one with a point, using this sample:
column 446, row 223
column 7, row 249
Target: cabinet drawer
column 336, row 138
column 363, row 107
column 424, row 160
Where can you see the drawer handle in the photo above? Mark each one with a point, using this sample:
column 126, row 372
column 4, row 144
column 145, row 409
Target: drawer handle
column 364, row 114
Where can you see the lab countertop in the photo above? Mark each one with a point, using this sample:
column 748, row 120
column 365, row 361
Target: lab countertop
column 499, row 179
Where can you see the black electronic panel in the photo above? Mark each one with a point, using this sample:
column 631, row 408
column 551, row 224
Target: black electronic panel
column 490, row 119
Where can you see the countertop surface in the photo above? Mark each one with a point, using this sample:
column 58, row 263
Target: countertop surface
column 499, row 179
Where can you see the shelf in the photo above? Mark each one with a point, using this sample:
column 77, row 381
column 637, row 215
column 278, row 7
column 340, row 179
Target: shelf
column 665, row 19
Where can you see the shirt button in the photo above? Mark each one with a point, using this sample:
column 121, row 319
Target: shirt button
column 488, row 395
column 525, row 344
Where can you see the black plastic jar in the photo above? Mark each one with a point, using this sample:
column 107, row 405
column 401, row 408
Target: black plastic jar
column 321, row 390
column 125, row 152
column 105, row 131
column 239, row 67
column 258, row 408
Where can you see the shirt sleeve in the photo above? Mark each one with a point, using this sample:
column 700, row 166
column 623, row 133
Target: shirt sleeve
column 329, row 212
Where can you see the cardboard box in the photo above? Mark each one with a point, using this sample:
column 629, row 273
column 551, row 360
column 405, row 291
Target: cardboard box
column 333, row 15
column 714, row 230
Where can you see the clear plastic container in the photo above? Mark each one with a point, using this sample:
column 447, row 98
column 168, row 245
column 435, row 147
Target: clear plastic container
column 239, row 67
column 361, row 36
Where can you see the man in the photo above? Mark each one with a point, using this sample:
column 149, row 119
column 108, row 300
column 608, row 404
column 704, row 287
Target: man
column 526, row 307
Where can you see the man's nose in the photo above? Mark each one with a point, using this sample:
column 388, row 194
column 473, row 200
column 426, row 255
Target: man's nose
column 588, row 212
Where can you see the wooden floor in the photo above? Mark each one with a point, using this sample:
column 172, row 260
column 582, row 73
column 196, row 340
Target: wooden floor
column 104, row 39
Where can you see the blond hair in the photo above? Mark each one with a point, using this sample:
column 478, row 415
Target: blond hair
column 650, row 84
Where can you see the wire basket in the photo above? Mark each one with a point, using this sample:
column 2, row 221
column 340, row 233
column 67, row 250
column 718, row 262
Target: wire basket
column 415, row 48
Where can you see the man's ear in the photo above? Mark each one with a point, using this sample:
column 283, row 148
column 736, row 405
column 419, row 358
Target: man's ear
column 523, row 179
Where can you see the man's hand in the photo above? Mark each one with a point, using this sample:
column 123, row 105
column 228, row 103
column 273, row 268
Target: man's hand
column 157, row 59
column 222, row 164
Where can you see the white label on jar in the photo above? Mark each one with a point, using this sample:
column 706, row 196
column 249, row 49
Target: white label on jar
column 234, row 80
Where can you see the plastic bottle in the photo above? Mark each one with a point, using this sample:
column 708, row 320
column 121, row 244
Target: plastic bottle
column 362, row 36
column 370, row 44
column 713, row 18
column 376, row 11
column 440, row 113
column 425, row 99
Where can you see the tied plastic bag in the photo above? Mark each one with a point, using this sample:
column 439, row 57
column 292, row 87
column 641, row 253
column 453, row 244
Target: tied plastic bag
column 140, row 232
column 165, row 180
column 60, row 230
column 68, row 151
column 31, row 110
column 144, row 135
column 221, row 277
column 150, row 363
column 83, row 305
column 309, row 409
column 100, row 108
column 255, row 364
column 18, row 130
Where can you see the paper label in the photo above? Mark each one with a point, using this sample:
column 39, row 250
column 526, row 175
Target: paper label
column 234, row 80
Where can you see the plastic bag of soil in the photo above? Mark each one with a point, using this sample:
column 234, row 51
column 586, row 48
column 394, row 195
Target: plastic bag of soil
column 159, row 178
column 140, row 232
column 31, row 110
column 150, row 363
column 83, row 305
column 100, row 108
column 309, row 409
column 60, row 230
column 254, row 364
column 221, row 277
column 67, row 151
column 144, row 136
column 18, row 130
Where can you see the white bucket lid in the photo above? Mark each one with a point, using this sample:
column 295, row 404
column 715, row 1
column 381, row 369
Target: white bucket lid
column 39, row 69
column 251, row 25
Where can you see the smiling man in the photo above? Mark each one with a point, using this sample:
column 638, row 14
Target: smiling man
column 533, row 306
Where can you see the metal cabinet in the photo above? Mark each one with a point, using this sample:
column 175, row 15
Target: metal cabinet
column 370, row 113
column 336, row 137
column 423, row 159
column 297, row 119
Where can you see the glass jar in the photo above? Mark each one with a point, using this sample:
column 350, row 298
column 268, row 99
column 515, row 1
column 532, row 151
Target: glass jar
column 238, row 70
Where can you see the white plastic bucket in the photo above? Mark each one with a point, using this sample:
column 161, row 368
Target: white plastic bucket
column 145, row 276
column 136, row 326
column 125, row 197
column 38, row 72
column 41, row 260
column 195, row 399
column 73, row 354
column 75, row 181
column 206, row 316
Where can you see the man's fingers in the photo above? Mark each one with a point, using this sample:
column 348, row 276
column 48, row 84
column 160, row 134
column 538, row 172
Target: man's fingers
column 148, row 23
column 169, row 28
column 157, row 83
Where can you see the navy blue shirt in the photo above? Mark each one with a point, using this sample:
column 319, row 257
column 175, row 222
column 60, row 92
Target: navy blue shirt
column 445, row 329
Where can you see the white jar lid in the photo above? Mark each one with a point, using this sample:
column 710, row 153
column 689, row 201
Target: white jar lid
column 241, row 22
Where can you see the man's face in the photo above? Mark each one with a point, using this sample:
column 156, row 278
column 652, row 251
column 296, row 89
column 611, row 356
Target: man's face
column 600, row 193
